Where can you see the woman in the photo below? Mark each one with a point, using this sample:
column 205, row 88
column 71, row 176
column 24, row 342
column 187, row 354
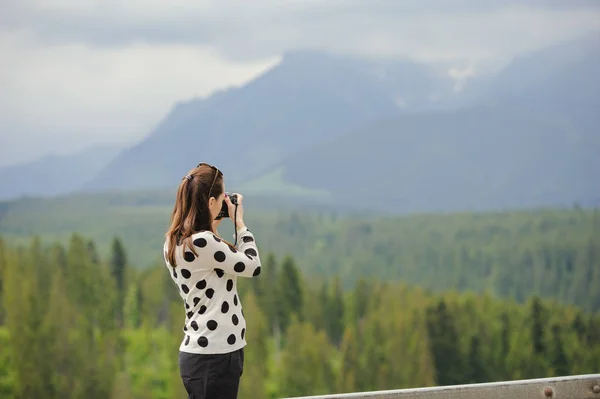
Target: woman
column 205, row 269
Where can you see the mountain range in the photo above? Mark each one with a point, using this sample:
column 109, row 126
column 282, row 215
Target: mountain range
column 307, row 98
column 54, row 175
column 383, row 135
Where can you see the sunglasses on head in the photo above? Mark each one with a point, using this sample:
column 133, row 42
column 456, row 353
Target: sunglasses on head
column 217, row 171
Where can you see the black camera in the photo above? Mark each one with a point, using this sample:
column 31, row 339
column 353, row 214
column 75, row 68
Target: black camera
column 224, row 213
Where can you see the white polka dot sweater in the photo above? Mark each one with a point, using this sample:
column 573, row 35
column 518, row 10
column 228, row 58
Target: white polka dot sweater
column 207, row 283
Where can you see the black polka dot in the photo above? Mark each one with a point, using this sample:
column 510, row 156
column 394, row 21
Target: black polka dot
column 190, row 314
column 201, row 284
column 243, row 313
column 187, row 306
column 217, row 239
column 212, row 325
column 250, row 252
column 233, row 249
column 210, row 292
column 189, row 257
column 243, row 332
column 220, row 256
column 229, row 285
column 184, row 328
column 203, row 342
column 220, row 272
column 200, row 242
column 231, row 339
column 225, row 307
column 235, row 301
column 186, row 273
column 187, row 340
column 235, row 320
column 174, row 273
column 256, row 272
column 196, row 300
column 202, row 309
column 185, row 288
column 247, row 239
column 239, row 267
column 194, row 325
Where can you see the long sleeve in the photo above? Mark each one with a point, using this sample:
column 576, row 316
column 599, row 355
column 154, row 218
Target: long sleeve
column 243, row 261
column 206, row 276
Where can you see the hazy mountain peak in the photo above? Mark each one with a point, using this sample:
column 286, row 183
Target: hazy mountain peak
column 312, row 101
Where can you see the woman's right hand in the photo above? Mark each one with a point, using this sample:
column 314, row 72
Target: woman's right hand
column 239, row 218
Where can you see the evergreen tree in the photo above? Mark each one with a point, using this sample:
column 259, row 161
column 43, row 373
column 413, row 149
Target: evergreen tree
column 90, row 347
column 443, row 337
column 316, row 304
column 60, row 326
column 305, row 367
column 560, row 363
column 372, row 355
column 504, row 343
column 132, row 308
column 3, row 262
column 256, row 372
column 476, row 364
column 290, row 293
column 7, row 372
column 350, row 365
column 154, row 307
column 23, row 322
column 94, row 257
column 579, row 326
column 361, row 298
column 422, row 372
column 270, row 292
column 118, row 264
column 537, row 326
column 334, row 314
column 58, row 256
column 593, row 330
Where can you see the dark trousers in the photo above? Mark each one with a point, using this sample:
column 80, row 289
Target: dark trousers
column 211, row 376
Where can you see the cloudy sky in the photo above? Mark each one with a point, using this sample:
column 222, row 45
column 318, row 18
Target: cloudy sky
column 79, row 72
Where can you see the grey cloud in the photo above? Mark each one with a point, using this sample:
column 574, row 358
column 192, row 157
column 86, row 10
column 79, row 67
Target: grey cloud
column 36, row 108
column 250, row 30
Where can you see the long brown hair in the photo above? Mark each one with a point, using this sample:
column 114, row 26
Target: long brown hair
column 191, row 213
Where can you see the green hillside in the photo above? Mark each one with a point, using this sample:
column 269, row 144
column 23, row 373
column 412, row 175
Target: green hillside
column 99, row 329
column 553, row 253
column 492, row 157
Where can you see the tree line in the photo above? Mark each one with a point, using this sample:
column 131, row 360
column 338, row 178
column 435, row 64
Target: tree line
column 553, row 253
column 74, row 324
column 513, row 254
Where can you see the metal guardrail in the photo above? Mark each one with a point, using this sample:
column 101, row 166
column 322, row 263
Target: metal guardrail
column 569, row 387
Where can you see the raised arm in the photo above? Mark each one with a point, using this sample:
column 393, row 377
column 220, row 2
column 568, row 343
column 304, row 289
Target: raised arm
column 242, row 261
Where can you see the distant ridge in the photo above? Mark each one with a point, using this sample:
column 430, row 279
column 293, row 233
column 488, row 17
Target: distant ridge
column 55, row 174
column 308, row 97
column 331, row 129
